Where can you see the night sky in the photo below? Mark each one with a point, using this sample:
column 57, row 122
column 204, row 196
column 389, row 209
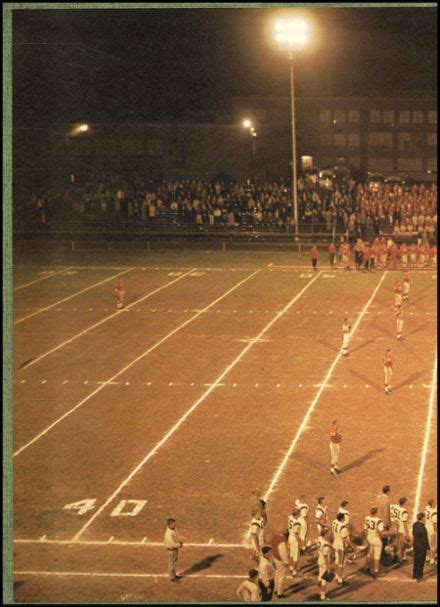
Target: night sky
column 91, row 65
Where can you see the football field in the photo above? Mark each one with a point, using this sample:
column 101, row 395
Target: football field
column 221, row 374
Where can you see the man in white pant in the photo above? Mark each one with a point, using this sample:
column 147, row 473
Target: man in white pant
column 173, row 545
column 280, row 553
column 303, row 510
column 431, row 529
column 325, row 552
column 295, row 543
column 346, row 327
column 335, row 447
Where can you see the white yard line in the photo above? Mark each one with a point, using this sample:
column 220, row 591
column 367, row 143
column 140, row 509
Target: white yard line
column 325, row 381
column 242, row 576
column 133, row 362
column 124, row 543
column 172, row 430
column 426, row 439
column 105, row 319
column 96, row 284
column 28, row 284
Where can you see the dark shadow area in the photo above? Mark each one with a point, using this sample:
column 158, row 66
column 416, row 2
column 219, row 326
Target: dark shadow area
column 362, row 345
column 416, row 330
column 366, row 380
column 383, row 330
column 361, row 460
column 201, row 565
column 25, row 363
column 309, row 461
column 18, row 584
column 409, row 380
column 298, row 586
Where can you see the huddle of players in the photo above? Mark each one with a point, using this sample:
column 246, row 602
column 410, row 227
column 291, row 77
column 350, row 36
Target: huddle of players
column 377, row 255
column 335, row 540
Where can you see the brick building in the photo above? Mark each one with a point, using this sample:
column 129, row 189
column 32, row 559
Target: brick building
column 384, row 134
column 389, row 135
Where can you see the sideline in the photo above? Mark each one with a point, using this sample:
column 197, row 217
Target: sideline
column 193, row 407
column 52, row 273
column 96, row 284
column 426, row 439
column 137, row 359
column 195, row 575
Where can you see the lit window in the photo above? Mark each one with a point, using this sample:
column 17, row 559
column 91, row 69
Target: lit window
column 325, row 140
column 432, row 117
column 417, row 117
column 340, row 139
column 431, row 164
column 388, row 116
column 325, row 116
column 380, row 139
column 353, row 116
column 339, row 115
column 380, row 164
column 353, row 140
column 404, row 116
column 409, row 164
column 432, row 138
column 375, row 116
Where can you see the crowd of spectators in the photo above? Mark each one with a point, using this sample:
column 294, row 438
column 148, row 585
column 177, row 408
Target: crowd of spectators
column 348, row 207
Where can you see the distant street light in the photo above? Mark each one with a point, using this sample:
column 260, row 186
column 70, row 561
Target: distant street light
column 84, row 127
column 247, row 124
column 292, row 35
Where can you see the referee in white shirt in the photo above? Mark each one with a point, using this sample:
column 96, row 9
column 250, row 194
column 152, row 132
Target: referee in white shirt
column 172, row 544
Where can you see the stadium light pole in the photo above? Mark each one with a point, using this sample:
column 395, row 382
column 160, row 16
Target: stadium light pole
column 292, row 35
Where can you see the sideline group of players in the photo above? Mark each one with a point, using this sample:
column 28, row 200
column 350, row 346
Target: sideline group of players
column 380, row 255
column 336, row 542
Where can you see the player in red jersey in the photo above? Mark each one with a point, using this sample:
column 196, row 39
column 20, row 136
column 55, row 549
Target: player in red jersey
column 383, row 255
column 367, row 256
column 344, row 252
column 120, row 293
column 413, row 255
column 403, row 250
column 398, row 312
column 394, row 252
column 331, row 254
column 388, row 370
column 406, row 286
column 335, row 447
column 374, row 260
column 398, row 293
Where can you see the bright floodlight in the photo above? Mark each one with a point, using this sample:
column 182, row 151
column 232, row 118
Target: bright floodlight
column 247, row 123
column 292, row 34
column 84, row 127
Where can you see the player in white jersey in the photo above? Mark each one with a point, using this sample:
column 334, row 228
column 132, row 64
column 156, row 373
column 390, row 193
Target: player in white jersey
column 373, row 528
column 321, row 515
column 431, row 528
column 399, row 516
column 257, row 534
column 325, row 553
column 341, row 543
column 303, row 510
column 346, row 327
column 294, row 541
